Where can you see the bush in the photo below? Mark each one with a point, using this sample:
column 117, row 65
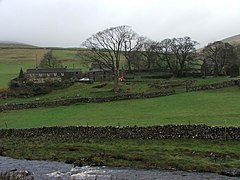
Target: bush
column 14, row 84
column 234, row 70
column 56, row 84
column 67, row 83
column 4, row 92
column 39, row 90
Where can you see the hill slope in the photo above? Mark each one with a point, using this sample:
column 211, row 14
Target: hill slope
column 12, row 44
column 234, row 40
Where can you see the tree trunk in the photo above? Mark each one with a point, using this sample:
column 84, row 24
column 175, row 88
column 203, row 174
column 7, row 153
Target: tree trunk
column 116, row 81
column 216, row 70
column 129, row 65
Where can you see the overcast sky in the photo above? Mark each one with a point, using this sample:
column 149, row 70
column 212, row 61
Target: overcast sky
column 67, row 23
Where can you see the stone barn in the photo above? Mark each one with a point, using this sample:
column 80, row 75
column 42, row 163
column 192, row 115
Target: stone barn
column 98, row 73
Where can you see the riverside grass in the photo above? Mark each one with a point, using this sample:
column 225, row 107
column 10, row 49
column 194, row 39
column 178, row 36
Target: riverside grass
column 180, row 154
column 213, row 107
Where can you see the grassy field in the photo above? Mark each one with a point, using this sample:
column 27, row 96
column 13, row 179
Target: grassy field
column 213, row 107
column 12, row 60
column 166, row 154
column 137, row 85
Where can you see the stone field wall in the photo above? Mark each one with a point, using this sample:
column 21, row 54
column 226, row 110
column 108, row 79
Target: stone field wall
column 213, row 86
column 63, row 102
column 109, row 132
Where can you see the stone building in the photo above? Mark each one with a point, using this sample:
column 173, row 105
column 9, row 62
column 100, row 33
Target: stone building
column 42, row 75
column 99, row 72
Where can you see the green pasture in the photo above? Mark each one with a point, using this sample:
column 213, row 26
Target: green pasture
column 213, row 107
column 12, row 60
column 87, row 90
column 150, row 154
column 137, row 85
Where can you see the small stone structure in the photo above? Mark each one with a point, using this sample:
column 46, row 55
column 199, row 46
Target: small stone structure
column 134, row 132
column 100, row 72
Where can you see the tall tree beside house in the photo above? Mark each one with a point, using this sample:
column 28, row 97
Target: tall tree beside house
column 50, row 61
column 177, row 53
column 219, row 54
column 106, row 48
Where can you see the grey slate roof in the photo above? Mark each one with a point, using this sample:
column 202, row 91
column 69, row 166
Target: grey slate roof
column 51, row 70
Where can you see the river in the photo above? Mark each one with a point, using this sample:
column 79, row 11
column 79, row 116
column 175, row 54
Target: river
column 56, row 170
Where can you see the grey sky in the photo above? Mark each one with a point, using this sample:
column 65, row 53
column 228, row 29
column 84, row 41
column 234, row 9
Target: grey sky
column 68, row 23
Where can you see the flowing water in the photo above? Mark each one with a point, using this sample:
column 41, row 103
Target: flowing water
column 56, row 170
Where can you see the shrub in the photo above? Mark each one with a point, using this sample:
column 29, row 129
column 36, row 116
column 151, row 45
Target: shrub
column 39, row 90
column 67, row 83
column 234, row 70
column 14, row 84
column 56, row 84
column 4, row 92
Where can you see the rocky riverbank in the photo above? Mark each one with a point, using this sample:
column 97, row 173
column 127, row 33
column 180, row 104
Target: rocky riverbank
column 54, row 170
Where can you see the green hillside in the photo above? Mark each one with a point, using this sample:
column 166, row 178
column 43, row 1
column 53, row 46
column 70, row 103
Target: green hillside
column 213, row 107
column 14, row 58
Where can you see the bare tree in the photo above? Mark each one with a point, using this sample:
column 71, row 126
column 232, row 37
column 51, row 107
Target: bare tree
column 183, row 49
column 107, row 46
column 137, row 60
column 133, row 43
column 50, row 61
column 219, row 54
column 149, row 52
column 164, row 52
column 177, row 53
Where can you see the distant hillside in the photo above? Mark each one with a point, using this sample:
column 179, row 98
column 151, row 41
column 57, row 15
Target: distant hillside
column 234, row 40
column 12, row 44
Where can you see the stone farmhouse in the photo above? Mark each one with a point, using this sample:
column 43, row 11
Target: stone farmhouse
column 42, row 75
column 97, row 73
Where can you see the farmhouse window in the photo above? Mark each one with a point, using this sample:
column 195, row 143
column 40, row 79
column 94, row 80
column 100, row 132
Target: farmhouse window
column 48, row 74
column 55, row 74
column 62, row 74
column 40, row 75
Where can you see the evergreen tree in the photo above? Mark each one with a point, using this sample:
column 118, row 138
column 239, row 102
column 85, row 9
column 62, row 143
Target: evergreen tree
column 21, row 75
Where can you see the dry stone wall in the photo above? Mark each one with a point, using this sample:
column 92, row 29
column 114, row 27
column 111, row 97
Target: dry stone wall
column 151, row 132
column 213, row 86
column 64, row 102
